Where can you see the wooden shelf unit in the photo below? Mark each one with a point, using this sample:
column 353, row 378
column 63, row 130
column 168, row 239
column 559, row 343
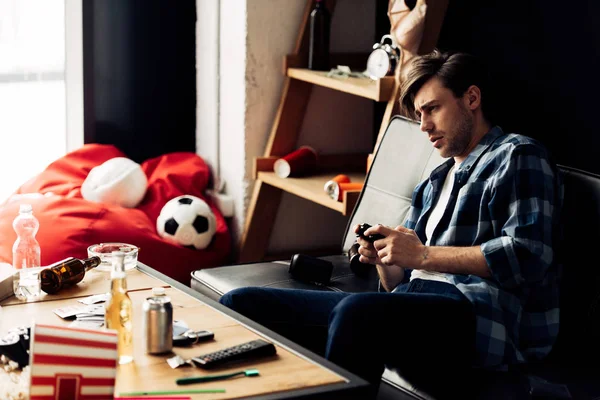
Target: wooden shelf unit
column 379, row 90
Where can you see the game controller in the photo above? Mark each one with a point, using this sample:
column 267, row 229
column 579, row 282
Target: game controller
column 371, row 238
column 360, row 269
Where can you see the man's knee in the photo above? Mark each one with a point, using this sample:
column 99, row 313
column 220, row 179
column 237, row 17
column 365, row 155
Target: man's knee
column 236, row 298
column 354, row 308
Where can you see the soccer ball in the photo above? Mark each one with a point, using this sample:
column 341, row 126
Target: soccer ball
column 187, row 220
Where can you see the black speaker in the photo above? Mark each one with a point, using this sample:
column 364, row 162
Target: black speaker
column 310, row 269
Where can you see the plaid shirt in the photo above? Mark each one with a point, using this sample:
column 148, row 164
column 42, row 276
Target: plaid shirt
column 506, row 198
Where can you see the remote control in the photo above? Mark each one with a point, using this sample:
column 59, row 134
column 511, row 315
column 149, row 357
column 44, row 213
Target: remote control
column 253, row 349
column 370, row 238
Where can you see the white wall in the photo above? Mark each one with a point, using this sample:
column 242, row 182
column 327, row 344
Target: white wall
column 238, row 99
column 74, row 73
column 207, row 82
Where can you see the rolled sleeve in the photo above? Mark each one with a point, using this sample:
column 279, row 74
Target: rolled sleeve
column 522, row 251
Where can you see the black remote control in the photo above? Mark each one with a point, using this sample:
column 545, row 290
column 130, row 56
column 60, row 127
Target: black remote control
column 370, row 238
column 253, row 349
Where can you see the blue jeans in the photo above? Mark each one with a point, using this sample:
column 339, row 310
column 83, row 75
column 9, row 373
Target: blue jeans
column 427, row 327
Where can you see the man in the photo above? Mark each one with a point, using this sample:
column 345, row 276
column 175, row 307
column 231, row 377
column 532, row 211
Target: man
column 471, row 277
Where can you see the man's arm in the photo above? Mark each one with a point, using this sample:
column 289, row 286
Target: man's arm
column 389, row 276
column 455, row 260
column 402, row 248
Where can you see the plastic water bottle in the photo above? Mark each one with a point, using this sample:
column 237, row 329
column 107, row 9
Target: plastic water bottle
column 26, row 254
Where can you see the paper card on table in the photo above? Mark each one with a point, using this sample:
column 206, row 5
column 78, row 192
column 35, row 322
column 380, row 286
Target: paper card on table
column 69, row 311
column 96, row 311
column 78, row 311
column 179, row 327
column 72, row 363
column 93, row 299
column 88, row 324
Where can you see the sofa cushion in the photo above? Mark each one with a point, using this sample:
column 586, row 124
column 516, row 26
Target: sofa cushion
column 69, row 223
column 218, row 281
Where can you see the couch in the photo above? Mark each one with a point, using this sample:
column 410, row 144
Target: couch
column 404, row 158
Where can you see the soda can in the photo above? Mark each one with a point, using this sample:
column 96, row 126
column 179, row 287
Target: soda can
column 332, row 185
column 158, row 322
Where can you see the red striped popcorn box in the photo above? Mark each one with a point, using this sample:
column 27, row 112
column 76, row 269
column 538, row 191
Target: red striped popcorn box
column 72, row 363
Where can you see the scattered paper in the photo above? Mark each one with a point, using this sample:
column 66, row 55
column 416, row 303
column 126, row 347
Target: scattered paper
column 69, row 312
column 86, row 324
column 94, row 312
column 96, row 298
column 179, row 327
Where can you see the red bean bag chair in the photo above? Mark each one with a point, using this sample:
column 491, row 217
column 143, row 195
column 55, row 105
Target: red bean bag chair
column 69, row 223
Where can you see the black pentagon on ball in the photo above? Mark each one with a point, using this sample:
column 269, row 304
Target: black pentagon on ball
column 171, row 226
column 185, row 200
column 200, row 224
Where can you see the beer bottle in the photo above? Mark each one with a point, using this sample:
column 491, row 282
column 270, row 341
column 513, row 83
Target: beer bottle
column 119, row 309
column 67, row 272
column 318, row 44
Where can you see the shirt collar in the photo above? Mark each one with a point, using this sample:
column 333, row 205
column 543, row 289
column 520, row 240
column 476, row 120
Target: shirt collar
column 481, row 147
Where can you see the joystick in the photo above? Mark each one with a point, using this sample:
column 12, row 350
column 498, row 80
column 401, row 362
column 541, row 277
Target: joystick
column 370, row 238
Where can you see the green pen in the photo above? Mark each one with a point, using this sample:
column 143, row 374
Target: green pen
column 208, row 378
column 172, row 392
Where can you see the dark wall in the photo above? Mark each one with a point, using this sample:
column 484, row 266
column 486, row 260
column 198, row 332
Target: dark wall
column 545, row 56
column 140, row 75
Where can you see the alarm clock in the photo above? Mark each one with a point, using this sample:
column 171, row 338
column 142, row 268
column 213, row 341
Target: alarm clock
column 383, row 59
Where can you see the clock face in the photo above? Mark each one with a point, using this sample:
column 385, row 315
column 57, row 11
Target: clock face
column 378, row 64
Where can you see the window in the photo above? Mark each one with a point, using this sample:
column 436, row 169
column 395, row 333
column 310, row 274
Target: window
column 32, row 89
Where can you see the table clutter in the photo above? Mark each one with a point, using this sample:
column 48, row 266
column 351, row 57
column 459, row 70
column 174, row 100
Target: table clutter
column 80, row 310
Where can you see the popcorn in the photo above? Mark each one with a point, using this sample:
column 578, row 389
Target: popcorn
column 14, row 384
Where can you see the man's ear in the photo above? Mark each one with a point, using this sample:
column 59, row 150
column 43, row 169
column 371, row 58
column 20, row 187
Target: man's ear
column 473, row 97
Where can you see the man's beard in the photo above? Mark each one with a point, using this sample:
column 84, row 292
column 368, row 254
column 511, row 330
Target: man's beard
column 461, row 138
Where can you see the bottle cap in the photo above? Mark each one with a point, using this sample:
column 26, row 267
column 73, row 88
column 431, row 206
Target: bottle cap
column 117, row 258
column 158, row 291
column 25, row 208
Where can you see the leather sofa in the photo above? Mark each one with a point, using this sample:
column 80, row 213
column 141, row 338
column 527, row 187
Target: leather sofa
column 404, row 158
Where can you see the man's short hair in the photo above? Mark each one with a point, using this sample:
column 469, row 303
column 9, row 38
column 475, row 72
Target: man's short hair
column 456, row 71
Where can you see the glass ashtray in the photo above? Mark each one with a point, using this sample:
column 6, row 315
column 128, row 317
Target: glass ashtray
column 104, row 251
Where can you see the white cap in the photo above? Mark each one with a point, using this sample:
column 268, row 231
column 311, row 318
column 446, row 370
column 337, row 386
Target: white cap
column 158, row 291
column 25, row 208
column 282, row 168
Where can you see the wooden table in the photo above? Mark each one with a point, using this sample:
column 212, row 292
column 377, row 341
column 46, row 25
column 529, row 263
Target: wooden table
column 292, row 373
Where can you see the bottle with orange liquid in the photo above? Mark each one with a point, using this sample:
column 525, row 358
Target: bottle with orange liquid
column 119, row 315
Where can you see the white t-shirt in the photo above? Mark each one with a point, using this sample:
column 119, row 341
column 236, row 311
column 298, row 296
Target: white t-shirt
column 434, row 219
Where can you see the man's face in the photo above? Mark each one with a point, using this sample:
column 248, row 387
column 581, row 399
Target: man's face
column 445, row 118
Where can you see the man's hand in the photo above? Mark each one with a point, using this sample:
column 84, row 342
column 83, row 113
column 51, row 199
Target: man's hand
column 367, row 251
column 400, row 247
column 389, row 274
